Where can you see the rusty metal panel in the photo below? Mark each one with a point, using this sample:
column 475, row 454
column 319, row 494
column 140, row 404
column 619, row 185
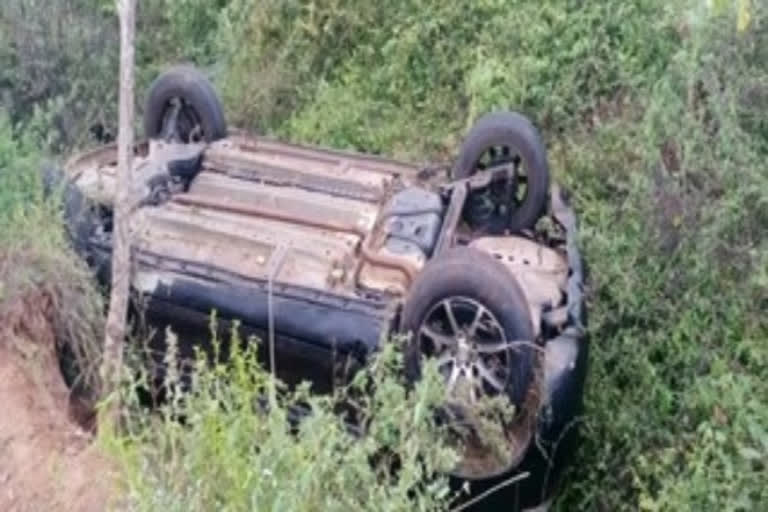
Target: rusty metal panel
column 333, row 158
column 369, row 177
column 244, row 244
column 302, row 204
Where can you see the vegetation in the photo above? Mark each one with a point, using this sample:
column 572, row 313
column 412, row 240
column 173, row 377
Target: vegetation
column 229, row 455
column 35, row 257
column 654, row 114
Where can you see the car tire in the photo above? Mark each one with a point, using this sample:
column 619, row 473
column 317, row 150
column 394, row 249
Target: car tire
column 516, row 132
column 465, row 273
column 200, row 103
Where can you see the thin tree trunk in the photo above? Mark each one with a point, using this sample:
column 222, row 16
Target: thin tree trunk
column 121, row 251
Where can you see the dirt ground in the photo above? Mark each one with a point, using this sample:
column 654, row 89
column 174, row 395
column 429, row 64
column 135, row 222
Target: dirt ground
column 47, row 461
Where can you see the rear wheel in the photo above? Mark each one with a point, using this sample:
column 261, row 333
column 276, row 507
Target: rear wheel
column 516, row 204
column 182, row 106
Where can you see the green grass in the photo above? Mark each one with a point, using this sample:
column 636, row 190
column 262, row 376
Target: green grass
column 654, row 116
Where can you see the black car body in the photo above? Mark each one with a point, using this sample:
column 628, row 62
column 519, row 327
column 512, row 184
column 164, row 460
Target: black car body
column 335, row 251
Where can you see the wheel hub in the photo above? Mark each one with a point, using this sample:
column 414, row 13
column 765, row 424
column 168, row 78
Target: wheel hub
column 489, row 209
column 470, row 346
column 181, row 123
column 463, row 350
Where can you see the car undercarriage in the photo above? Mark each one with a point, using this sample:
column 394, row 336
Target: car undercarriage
column 335, row 251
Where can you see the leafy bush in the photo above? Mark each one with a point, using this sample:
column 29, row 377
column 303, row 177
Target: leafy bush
column 35, row 257
column 409, row 75
column 59, row 61
column 673, row 203
column 58, row 67
column 237, row 449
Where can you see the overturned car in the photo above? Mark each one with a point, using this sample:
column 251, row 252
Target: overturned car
column 334, row 251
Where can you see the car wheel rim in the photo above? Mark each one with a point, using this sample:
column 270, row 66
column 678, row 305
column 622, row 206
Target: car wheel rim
column 470, row 347
column 502, row 155
column 181, row 123
column 490, row 209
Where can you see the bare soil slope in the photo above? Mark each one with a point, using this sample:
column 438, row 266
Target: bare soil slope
column 47, row 462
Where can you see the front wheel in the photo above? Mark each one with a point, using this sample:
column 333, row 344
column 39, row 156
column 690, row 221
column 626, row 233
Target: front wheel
column 467, row 311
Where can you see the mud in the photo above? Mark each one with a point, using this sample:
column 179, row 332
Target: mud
column 47, row 460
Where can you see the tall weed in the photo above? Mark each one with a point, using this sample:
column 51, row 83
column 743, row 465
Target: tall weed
column 220, row 443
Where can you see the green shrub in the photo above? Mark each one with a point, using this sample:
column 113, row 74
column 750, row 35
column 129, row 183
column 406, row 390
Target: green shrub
column 673, row 208
column 36, row 257
column 59, row 63
column 235, row 449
